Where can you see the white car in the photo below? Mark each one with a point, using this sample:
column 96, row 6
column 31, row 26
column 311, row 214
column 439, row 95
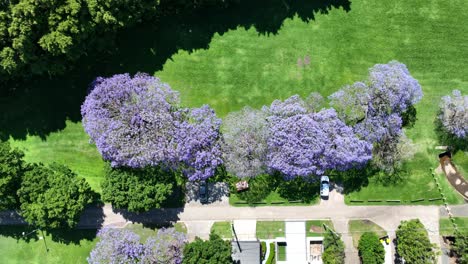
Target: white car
column 324, row 186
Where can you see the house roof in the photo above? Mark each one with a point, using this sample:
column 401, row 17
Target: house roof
column 249, row 252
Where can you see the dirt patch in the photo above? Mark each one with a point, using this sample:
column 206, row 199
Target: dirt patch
column 316, row 229
column 454, row 176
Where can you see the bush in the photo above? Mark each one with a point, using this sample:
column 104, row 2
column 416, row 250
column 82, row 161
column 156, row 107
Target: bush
column 371, row 250
column 271, row 257
column 304, row 189
column 334, row 249
column 413, row 243
column 259, row 188
column 263, row 247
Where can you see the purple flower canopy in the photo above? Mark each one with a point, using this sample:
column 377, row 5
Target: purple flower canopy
column 137, row 122
column 454, row 114
column 305, row 144
column 124, row 246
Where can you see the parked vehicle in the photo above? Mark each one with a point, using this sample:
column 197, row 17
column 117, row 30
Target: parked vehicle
column 203, row 192
column 324, row 186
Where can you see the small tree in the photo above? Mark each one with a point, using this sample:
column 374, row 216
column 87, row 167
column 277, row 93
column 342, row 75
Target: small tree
column 137, row 190
column 413, row 243
column 334, row 252
column 12, row 168
column 454, row 114
column 371, row 250
column 53, row 196
column 212, row 251
column 461, row 247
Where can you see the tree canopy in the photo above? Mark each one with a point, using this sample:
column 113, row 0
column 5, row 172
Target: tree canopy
column 413, row 243
column 43, row 37
column 212, row 251
column 334, row 249
column 137, row 122
column 124, row 246
column 137, row 190
column 370, row 249
column 454, row 114
column 12, row 168
column 53, row 196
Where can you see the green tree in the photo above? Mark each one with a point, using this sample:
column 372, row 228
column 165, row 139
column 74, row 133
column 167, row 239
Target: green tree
column 461, row 247
column 53, row 196
column 42, row 37
column 212, row 251
column 413, row 243
column 334, row 252
column 371, row 250
column 12, row 168
column 137, row 190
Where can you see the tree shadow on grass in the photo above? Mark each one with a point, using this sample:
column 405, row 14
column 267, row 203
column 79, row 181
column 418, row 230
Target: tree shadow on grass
column 30, row 233
column 305, row 189
column 42, row 105
column 354, row 179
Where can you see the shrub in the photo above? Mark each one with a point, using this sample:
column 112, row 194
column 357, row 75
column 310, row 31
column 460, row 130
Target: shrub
column 413, row 243
column 271, row 256
column 370, row 249
column 263, row 247
column 334, row 252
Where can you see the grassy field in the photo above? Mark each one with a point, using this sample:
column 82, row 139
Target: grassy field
column 273, row 199
column 69, row 146
column 223, row 229
column 270, row 229
column 242, row 67
column 20, row 251
column 446, row 226
column 358, row 227
column 314, row 228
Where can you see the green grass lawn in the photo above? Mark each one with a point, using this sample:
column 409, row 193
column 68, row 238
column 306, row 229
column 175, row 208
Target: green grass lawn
column 273, row 199
column 144, row 232
column 223, row 229
column 270, row 229
column 358, row 227
column 446, row 226
column 70, row 147
column 242, row 67
column 19, row 251
column 314, row 228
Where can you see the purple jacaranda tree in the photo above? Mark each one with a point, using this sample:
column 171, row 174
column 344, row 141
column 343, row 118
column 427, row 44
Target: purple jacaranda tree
column 454, row 114
column 132, row 120
column 123, row 246
column 245, row 142
column 305, row 144
column 137, row 122
column 392, row 89
column 116, row 246
column 166, row 247
column 198, row 147
column 351, row 102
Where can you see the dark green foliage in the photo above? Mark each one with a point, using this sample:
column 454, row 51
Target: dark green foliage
column 263, row 246
column 371, row 250
column 53, row 196
column 299, row 188
column 461, row 247
column 413, row 243
column 137, row 190
column 12, row 168
column 259, row 188
column 409, row 117
column 212, row 251
column 42, row 37
column 334, row 252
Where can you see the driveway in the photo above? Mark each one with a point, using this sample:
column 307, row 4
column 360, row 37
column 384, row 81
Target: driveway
column 218, row 194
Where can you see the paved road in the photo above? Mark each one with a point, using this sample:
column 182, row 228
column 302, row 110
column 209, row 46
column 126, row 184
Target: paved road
column 388, row 217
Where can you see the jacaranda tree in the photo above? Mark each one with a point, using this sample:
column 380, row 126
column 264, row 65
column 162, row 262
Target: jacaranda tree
column 245, row 142
column 454, row 114
column 377, row 108
column 124, row 246
column 302, row 144
column 137, row 122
